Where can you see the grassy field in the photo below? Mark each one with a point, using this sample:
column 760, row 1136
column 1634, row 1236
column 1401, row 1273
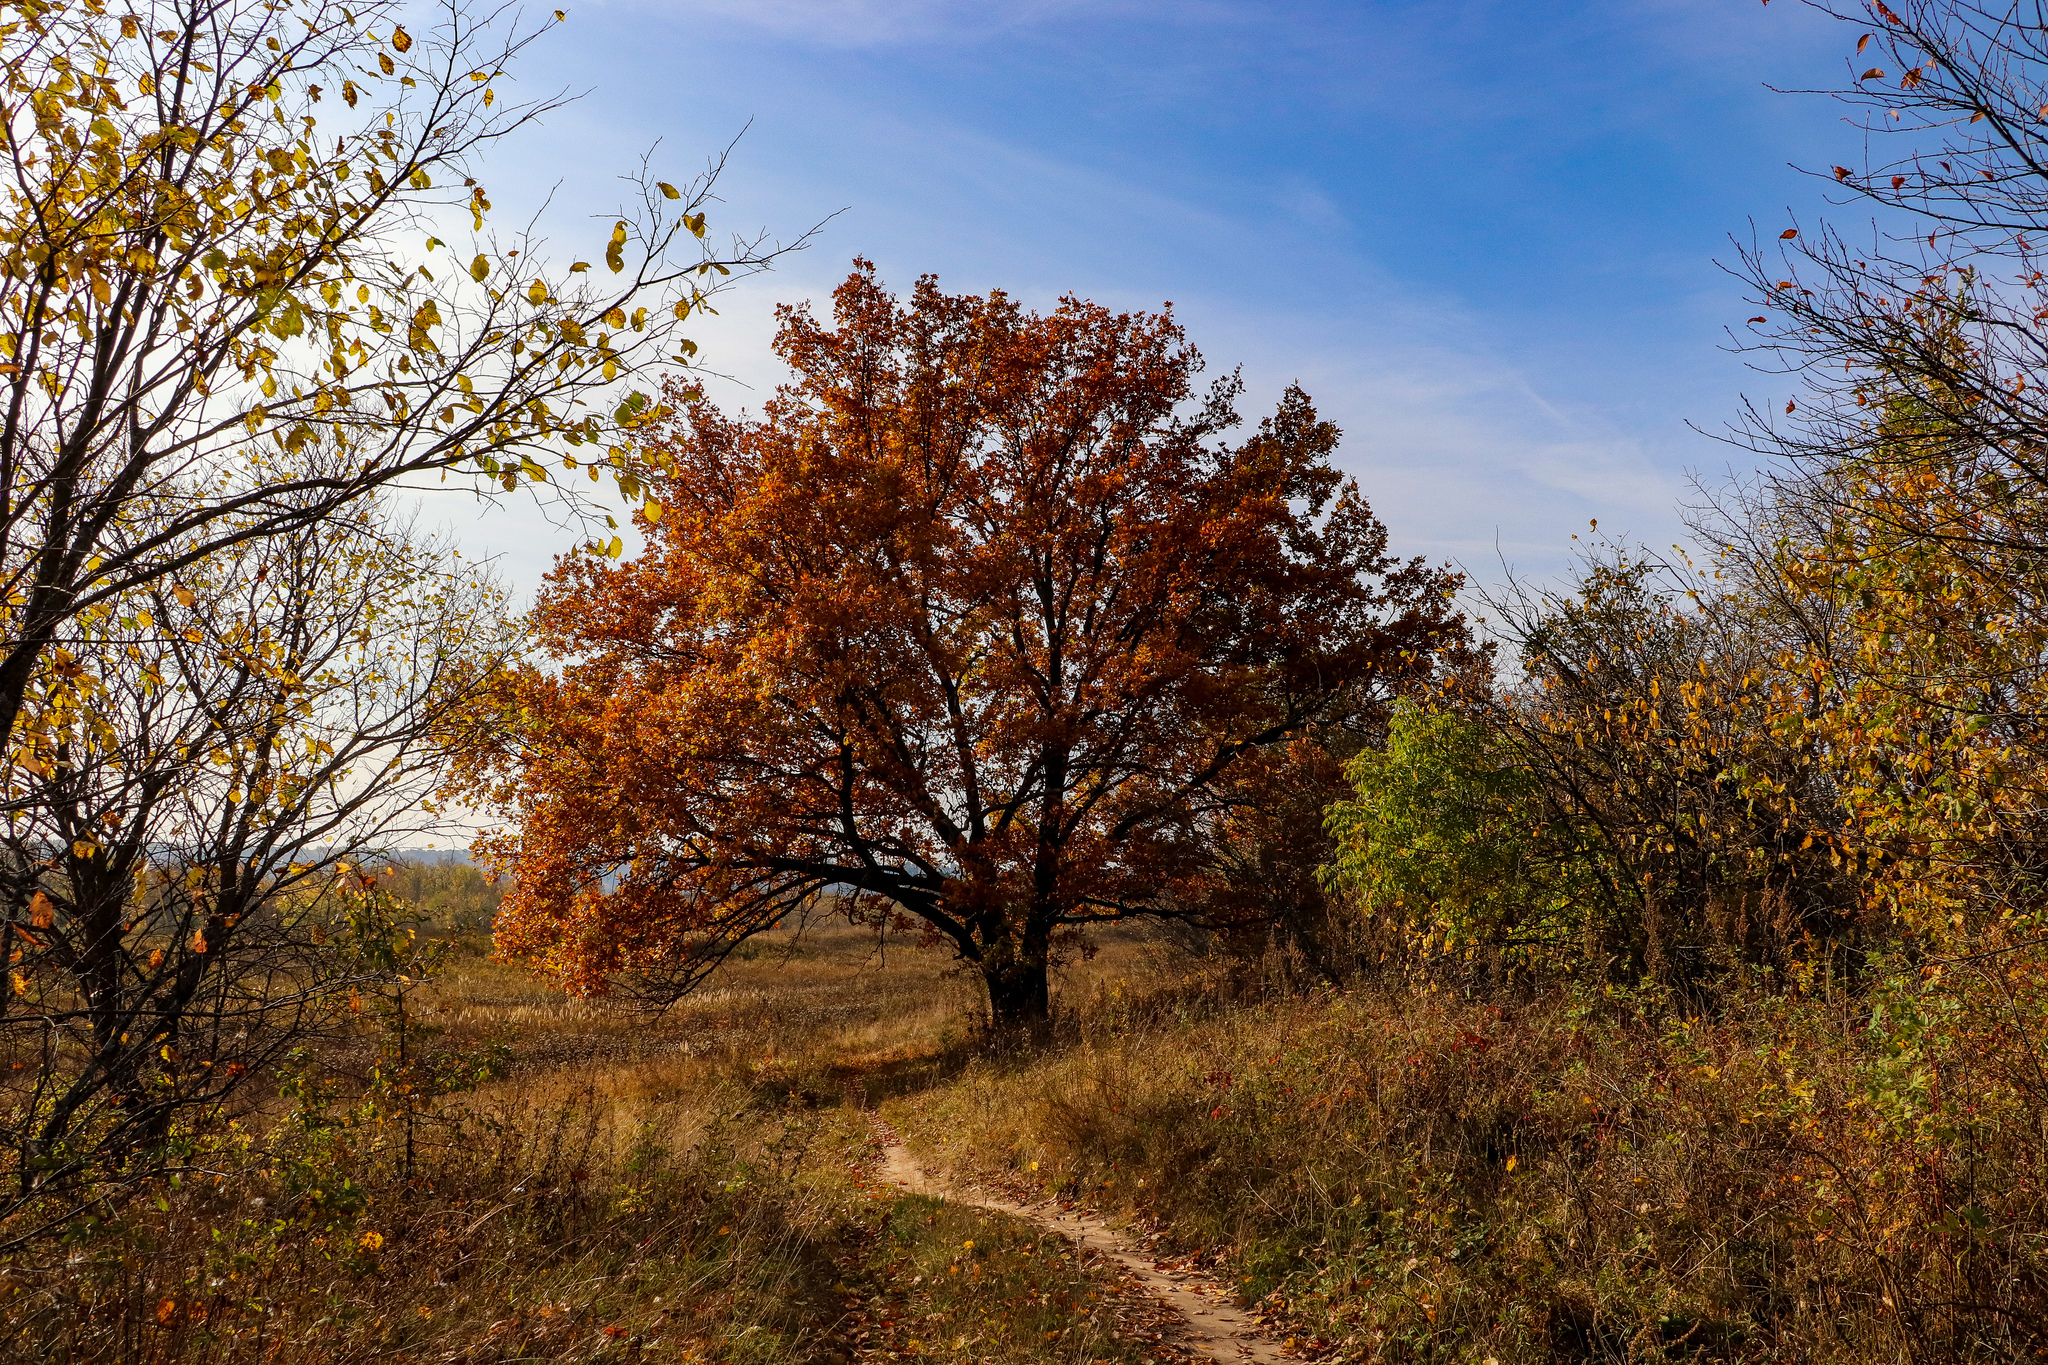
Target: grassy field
column 1399, row 1172
column 605, row 1185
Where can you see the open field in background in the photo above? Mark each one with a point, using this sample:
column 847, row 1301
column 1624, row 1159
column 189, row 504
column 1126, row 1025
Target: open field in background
column 815, row 1010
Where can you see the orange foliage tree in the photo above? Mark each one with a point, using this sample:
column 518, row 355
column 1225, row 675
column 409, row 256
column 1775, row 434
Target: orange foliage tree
column 974, row 624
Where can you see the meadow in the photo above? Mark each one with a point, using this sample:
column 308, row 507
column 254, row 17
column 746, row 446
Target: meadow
column 1400, row 1170
column 588, row 1183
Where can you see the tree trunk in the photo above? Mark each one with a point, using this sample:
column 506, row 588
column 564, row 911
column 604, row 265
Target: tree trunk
column 1019, row 997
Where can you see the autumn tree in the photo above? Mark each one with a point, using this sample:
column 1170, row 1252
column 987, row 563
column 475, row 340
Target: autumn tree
column 257, row 727
column 1647, row 714
column 1263, row 852
column 454, row 897
column 245, row 279
column 976, row 622
column 1913, row 481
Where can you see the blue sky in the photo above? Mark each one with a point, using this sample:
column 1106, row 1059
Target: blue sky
column 1482, row 234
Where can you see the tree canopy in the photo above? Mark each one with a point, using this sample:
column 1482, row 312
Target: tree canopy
column 228, row 306
column 974, row 621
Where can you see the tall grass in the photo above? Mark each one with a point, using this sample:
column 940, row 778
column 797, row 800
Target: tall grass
column 610, row 1193
column 610, row 1186
column 573, row 1229
column 1417, row 1174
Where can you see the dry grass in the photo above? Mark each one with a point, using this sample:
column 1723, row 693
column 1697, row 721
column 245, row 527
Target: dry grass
column 942, row 1281
column 553, row 1224
column 828, row 1011
column 1409, row 1175
column 1401, row 1173
column 691, row 1187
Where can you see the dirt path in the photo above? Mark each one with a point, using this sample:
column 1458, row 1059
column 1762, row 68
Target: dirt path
column 1216, row 1327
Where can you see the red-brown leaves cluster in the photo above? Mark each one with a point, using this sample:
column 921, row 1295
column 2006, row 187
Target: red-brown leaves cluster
column 976, row 618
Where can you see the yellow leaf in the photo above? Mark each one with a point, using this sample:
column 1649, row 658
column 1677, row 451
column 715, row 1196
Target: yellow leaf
column 42, row 912
column 579, row 267
column 186, row 597
column 668, row 191
column 537, row 293
column 401, row 40
column 652, row 511
column 385, row 64
column 479, row 268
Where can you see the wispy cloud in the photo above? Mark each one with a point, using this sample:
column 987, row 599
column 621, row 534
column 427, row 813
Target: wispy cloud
column 1479, row 233
column 860, row 23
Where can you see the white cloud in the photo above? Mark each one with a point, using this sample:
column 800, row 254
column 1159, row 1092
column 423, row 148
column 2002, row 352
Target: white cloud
column 1453, row 416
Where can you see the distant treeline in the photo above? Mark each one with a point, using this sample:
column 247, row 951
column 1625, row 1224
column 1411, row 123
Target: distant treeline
column 455, row 896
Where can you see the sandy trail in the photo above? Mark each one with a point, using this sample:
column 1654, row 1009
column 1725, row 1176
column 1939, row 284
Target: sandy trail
column 1216, row 1327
